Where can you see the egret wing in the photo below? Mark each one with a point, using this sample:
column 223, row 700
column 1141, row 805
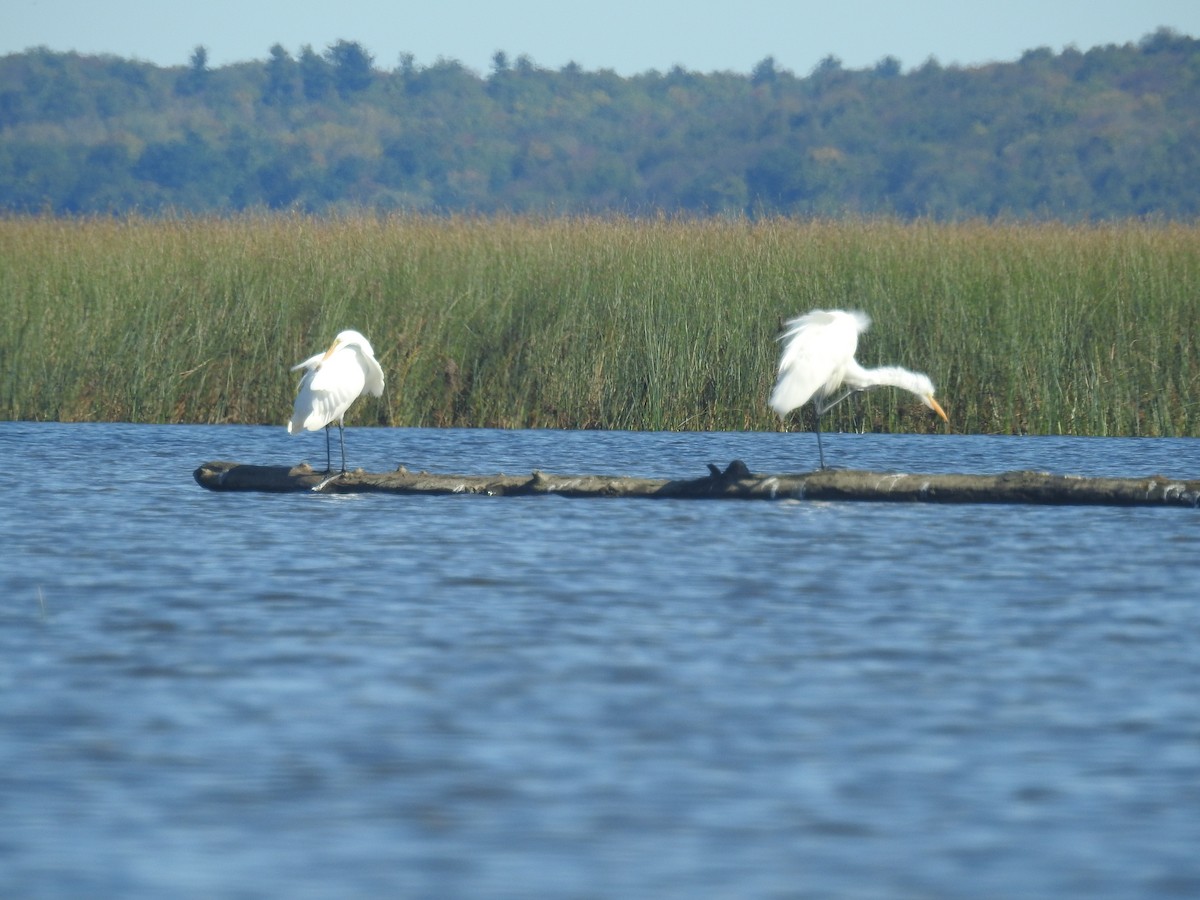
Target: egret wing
column 311, row 363
column 816, row 350
column 373, row 374
column 326, row 392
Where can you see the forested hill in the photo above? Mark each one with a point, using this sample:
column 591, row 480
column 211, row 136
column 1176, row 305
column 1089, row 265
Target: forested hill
column 1112, row 131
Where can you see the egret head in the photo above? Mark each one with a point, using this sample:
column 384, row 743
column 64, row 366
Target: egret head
column 350, row 338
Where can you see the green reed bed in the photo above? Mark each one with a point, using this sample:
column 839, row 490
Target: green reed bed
column 647, row 324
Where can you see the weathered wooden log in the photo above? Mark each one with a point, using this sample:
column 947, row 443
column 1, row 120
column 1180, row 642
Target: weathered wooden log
column 735, row 482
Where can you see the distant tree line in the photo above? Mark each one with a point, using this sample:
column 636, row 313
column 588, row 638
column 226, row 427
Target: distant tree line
column 1113, row 131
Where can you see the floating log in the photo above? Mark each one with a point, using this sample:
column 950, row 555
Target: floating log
column 736, row 481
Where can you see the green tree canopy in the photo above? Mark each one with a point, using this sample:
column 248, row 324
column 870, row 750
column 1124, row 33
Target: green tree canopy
column 1112, row 131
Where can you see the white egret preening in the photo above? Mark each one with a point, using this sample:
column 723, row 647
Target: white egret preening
column 818, row 364
column 332, row 381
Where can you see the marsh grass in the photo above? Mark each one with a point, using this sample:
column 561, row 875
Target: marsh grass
column 599, row 323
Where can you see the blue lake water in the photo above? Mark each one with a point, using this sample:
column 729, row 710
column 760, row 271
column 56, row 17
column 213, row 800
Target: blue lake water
column 248, row 695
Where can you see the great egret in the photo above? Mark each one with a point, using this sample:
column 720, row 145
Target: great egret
column 332, row 381
column 818, row 364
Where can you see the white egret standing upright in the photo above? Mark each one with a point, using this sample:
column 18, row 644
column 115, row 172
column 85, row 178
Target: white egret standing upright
column 818, row 364
column 332, row 381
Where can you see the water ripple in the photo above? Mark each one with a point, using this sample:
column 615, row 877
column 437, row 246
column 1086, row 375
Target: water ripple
column 462, row 696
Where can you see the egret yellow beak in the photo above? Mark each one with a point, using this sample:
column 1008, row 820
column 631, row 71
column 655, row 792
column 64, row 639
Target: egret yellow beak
column 937, row 408
column 332, row 347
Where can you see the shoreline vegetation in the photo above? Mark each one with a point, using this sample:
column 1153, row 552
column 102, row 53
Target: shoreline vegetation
column 600, row 322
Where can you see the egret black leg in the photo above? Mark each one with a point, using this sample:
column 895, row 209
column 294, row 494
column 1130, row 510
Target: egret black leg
column 820, row 449
column 328, row 456
column 342, row 441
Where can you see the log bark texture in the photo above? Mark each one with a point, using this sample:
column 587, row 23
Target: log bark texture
column 735, row 482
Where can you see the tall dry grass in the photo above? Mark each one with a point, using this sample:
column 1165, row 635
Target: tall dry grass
column 647, row 324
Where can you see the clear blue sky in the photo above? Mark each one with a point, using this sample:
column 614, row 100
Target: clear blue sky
column 628, row 36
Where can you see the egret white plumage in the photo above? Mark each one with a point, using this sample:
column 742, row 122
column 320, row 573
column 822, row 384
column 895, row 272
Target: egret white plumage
column 818, row 364
column 332, row 381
